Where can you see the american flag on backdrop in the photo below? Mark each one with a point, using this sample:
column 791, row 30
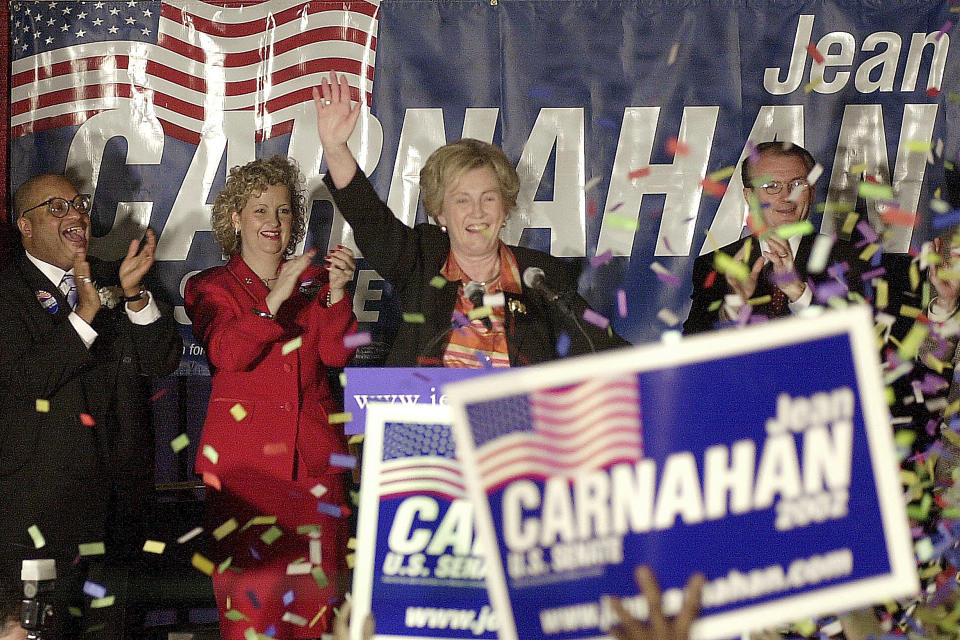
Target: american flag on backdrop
column 186, row 63
column 559, row 431
column 419, row 459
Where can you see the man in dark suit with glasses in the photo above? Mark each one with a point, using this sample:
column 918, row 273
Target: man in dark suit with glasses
column 79, row 339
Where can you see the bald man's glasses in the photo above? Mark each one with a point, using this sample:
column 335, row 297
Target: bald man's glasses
column 59, row 207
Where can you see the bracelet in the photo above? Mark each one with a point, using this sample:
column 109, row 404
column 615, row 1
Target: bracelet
column 263, row 314
column 329, row 298
column 139, row 295
column 934, row 300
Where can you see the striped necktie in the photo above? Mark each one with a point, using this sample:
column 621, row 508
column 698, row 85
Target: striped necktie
column 69, row 288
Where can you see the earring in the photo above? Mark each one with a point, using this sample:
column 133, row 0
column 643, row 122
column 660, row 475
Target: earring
column 237, row 232
column 443, row 228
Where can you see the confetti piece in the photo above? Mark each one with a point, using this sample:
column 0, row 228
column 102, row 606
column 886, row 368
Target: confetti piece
column 675, row 147
column 622, row 222
column 91, row 548
column 293, row 345
column 158, row 395
column 94, row 590
column 919, row 146
column 259, row 520
column 154, row 546
column 713, row 306
column 331, row 510
column 343, row 460
column 867, row 231
column 672, row 56
column 713, row 189
column 320, row 577
column 238, row 412
column 202, row 564
column 939, row 206
column 813, row 84
column 601, row 259
column 351, row 559
column 298, row 568
column 814, row 174
column 251, row 634
column 819, row 254
column 225, row 529
column 727, row 265
column 75, row 612
column 209, row 453
column 355, row 340
column 945, row 28
column 288, row 598
column 912, row 341
column 318, row 490
column 190, row 535
column 933, row 92
column 414, row 318
column 873, row 191
column 591, row 183
column 352, row 543
column 759, row 300
column 43, row 406
column 180, row 443
column 668, row 317
column 595, row 318
column 563, row 344
column 868, row 252
column 87, row 420
column 234, row 615
column 479, row 312
column 438, row 282
column 721, row 174
column 899, row 217
column 37, row 537
column 223, row 566
column 622, row 303
column 710, row 279
column 815, row 53
column 645, row 171
column 494, row 299
column 946, row 220
column 211, row 480
column 343, row 380
column 858, row 168
column 802, row 228
column 271, row 535
column 102, row 603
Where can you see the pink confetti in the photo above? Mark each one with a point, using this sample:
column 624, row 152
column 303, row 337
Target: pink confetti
column 87, row 420
column 601, row 259
column 639, row 173
column 668, row 278
column 595, row 319
column 622, row 303
column 946, row 27
column 354, row 340
column 867, row 231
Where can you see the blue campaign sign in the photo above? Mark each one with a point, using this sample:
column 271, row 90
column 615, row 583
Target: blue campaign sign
column 398, row 386
column 419, row 567
column 762, row 458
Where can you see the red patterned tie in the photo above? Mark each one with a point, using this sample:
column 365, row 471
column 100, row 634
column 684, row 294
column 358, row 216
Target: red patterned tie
column 778, row 302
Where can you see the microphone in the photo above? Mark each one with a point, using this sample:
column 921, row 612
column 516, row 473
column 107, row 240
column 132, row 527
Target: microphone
column 534, row 278
column 474, row 292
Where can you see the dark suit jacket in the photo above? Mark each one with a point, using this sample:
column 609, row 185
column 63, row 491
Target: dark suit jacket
column 409, row 259
column 56, row 473
column 701, row 318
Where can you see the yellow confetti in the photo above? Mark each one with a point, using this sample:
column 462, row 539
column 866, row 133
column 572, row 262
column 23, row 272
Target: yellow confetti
column 414, row 318
column 912, row 341
column 813, row 84
column 102, row 603
column 355, row 439
column 154, row 546
column 858, row 168
column 210, row 454
column 238, row 412
column 180, row 443
column 883, row 294
column 753, row 302
column 934, row 363
column 909, row 312
column 259, row 520
column 36, row 536
column 850, row 222
column 868, row 251
column 438, row 282
column 92, row 549
column 721, row 174
column 43, row 405
column 251, row 634
column 317, row 617
column 623, row 222
column 803, row 228
column 352, row 544
column 225, row 529
column 340, row 418
column 223, row 566
column 293, row 345
column 479, row 312
column 914, row 276
column 271, row 535
column 351, row 559
column 725, row 264
column 919, row 146
column 343, row 379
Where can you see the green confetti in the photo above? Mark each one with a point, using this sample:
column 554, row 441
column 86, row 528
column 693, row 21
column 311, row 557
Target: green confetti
column 414, row 318
column 225, row 529
column 271, row 535
column 802, row 228
column 180, row 443
column 873, row 191
column 75, row 612
column 308, row 528
column 911, row 343
column 36, row 536
column 438, row 282
column 320, row 577
column 92, row 549
column 904, row 437
column 715, row 305
column 223, row 566
column 251, row 634
column 725, row 264
column 235, row 616
column 622, row 222
column 252, row 522
column 101, row 603
column 210, row 454
column 293, row 345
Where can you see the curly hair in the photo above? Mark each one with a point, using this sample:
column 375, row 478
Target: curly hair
column 252, row 179
column 446, row 166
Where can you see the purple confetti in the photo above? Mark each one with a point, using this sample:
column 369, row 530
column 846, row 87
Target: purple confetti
column 946, row 27
column 616, row 206
column 252, row 597
column 94, row 590
column 271, row 631
column 601, row 259
column 622, row 303
column 460, row 320
column 329, row 509
column 932, row 383
column 288, row 598
column 254, row 553
column 752, row 150
column 668, row 278
column 354, row 340
column 874, row 273
column 343, row 460
column 946, row 220
column 563, row 344
column 595, row 319
column 744, row 316
column 867, row 231
column 666, row 243
column 838, row 269
column 829, row 290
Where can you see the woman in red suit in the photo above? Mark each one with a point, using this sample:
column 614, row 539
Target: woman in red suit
column 274, row 465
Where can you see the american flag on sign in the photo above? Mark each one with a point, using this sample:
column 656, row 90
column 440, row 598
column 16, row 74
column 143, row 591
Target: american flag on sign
column 557, row 432
column 419, row 459
column 184, row 63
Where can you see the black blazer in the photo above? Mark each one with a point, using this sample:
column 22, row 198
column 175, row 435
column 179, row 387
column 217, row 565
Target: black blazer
column 701, row 318
column 410, row 258
column 55, row 472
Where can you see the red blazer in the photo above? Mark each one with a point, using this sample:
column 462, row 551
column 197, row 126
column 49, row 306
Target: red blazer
column 285, row 398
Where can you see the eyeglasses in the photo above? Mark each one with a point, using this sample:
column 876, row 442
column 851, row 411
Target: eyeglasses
column 60, row 207
column 775, row 186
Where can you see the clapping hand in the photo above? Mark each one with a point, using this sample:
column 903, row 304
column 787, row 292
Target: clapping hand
column 341, row 267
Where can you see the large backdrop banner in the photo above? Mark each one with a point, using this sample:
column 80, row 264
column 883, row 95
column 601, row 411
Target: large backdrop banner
column 625, row 119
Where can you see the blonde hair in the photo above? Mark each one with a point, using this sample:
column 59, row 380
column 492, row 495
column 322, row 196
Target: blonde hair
column 252, row 179
column 446, row 166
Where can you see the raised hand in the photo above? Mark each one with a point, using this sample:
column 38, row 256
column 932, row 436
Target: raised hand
column 287, row 280
column 336, row 120
column 658, row 626
column 88, row 299
column 341, row 266
column 137, row 263
column 781, row 257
